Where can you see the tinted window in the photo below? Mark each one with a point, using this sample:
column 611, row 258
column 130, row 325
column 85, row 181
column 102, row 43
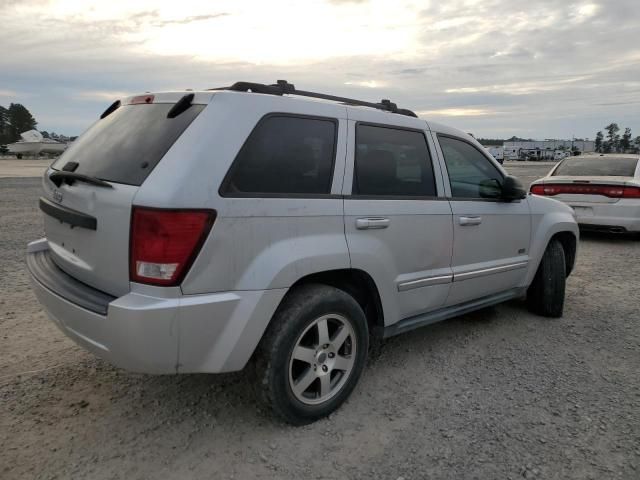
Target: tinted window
column 392, row 162
column 125, row 146
column 285, row 155
column 471, row 174
column 597, row 166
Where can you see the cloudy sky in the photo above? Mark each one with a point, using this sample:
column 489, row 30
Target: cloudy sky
column 497, row 68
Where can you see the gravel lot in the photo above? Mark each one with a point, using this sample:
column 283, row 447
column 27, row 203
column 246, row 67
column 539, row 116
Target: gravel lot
column 499, row 393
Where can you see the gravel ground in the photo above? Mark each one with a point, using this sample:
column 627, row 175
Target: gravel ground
column 499, row 393
column 11, row 167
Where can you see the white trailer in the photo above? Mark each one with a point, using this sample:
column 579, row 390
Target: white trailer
column 496, row 152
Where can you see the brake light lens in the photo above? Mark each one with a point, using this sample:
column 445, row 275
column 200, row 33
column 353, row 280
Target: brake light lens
column 164, row 243
column 141, row 99
column 611, row 191
column 631, row 192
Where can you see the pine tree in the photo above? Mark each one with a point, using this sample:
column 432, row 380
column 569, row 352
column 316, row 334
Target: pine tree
column 598, row 145
column 4, row 125
column 20, row 120
column 611, row 143
column 625, row 142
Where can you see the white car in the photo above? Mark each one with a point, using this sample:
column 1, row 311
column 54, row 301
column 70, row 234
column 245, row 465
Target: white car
column 202, row 231
column 604, row 191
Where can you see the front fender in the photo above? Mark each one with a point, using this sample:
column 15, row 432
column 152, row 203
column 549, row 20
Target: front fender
column 548, row 218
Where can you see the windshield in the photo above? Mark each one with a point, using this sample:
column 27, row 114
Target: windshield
column 125, row 146
column 597, row 167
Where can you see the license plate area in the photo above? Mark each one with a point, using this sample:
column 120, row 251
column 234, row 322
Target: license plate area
column 583, row 211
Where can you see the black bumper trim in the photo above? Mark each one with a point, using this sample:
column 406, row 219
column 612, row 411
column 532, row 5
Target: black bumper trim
column 67, row 215
column 49, row 275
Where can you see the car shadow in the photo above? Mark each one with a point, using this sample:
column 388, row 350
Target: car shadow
column 608, row 237
column 124, row 409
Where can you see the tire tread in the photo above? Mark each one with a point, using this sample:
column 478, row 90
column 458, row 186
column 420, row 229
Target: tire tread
column 546, row 293
column 268, row 355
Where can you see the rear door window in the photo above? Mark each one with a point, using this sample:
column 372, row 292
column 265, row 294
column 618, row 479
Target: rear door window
column 392, row 162
column 284, row 155
column 125, row 146
column 597, row 167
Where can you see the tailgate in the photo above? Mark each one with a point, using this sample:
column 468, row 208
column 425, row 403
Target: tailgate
column 93, row 252
column 87, row 217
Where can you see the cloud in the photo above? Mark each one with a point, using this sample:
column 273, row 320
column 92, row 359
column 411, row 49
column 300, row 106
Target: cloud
column 522, row 88
column 194, row 18
column 8, row 93
column 456, row 112
column 101, row 95
column 367, row 83
column 497, row 67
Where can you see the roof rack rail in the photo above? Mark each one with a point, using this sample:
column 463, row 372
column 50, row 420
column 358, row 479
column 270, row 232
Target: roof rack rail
column 282, row 87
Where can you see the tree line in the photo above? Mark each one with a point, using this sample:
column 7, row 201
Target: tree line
column 615, row 142
column 13, row 121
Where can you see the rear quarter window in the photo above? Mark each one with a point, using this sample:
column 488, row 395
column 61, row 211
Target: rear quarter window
column 125, row 146
column 597, row 167
column 284, row 155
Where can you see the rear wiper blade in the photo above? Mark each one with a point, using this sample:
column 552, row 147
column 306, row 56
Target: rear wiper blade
column 70, row 177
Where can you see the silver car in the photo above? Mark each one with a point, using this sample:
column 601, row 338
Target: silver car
column 253, row 225
column 604, row 191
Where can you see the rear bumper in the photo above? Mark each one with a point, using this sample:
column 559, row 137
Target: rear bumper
column 146, row 333
column 624, row 214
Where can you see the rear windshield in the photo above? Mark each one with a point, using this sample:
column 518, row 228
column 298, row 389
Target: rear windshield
column 125, row 146
column 597, row 167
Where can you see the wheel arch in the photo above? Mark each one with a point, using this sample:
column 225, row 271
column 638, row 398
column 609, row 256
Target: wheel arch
column 568, row 238
column 569, row 244
column 357, row 283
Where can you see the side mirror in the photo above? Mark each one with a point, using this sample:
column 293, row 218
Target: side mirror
column 490, row 188
column 512, row 189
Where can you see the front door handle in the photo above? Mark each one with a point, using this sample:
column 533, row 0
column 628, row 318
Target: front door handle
column 372, row 223
column 469, row 221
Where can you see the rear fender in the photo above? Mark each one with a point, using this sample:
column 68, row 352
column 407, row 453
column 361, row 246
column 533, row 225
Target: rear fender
column 283, row 263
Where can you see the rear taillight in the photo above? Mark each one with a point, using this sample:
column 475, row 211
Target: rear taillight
column 537, row 189
column 611, row 191
column 164, row 243
column 631, row 192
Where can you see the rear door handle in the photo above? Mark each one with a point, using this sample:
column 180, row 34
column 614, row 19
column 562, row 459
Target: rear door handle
column 469, row 221
column 372, row 223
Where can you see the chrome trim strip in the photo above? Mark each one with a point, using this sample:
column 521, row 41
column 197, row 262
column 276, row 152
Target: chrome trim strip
column 489, row 271
column 425, row 282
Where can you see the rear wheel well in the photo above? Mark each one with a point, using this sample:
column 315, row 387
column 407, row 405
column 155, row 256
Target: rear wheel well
column 569, row 243
column 360, row 286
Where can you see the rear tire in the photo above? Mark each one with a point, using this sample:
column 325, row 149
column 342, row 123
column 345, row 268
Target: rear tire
column 313, row 353
column 545, row 295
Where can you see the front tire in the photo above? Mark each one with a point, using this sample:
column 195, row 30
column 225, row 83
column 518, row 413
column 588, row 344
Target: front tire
column 313, row 353
column 545, row 295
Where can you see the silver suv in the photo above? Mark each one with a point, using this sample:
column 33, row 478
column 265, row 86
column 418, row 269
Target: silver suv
column 196, row 231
